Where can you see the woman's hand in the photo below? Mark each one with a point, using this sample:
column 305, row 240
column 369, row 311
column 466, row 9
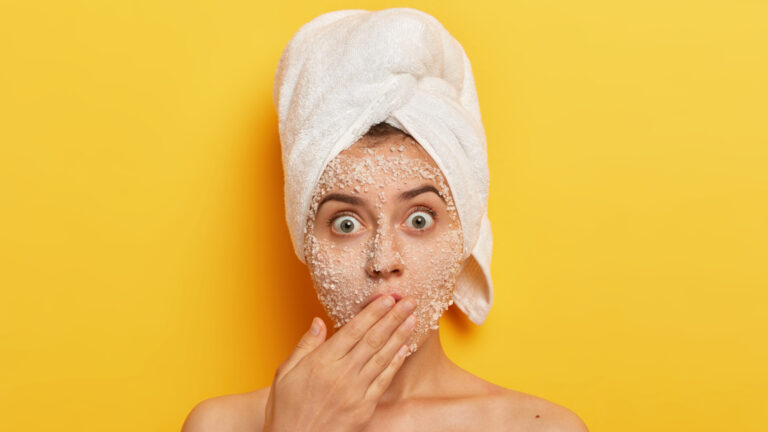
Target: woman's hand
column 335, row 385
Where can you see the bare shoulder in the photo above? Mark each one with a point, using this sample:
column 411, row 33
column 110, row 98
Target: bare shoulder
column 229, row 413
column 483, row 405
column 522, row 411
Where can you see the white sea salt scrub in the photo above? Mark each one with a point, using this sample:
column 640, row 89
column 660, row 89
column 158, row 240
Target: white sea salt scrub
column 384, row 244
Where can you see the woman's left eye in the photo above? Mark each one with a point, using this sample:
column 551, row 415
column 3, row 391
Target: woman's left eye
column 420, row 220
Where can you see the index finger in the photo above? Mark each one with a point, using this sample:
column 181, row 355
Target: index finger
column 353, row 331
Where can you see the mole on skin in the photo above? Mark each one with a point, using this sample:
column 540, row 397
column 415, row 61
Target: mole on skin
column 382, row 221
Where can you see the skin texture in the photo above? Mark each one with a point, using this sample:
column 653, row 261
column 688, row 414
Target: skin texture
column 387, row 254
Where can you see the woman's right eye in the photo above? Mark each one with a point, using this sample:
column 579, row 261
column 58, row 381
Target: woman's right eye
column 345, row 224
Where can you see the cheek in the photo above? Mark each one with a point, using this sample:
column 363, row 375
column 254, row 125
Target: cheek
column 339, row 276
column 430, row 276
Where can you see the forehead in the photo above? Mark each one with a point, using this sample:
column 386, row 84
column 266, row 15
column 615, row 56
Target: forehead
column 393, row 160
column 390, row 145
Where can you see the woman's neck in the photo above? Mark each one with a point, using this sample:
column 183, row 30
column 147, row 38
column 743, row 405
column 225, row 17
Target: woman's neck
column 422, row 374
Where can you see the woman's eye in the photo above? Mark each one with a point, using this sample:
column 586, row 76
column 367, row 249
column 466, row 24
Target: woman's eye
column 420, row 220
column 345, row 224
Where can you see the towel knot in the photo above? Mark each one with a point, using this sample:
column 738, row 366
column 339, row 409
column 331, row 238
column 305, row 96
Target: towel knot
column 438, row 86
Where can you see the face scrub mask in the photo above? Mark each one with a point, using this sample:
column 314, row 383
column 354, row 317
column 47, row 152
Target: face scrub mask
column 341, row 267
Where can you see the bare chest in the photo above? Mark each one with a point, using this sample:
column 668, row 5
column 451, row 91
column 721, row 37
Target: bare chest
column 463, row 416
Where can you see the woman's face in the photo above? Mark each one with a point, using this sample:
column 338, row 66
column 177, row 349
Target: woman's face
column 382, row 222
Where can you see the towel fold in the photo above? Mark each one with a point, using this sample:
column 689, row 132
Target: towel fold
column 347, row 70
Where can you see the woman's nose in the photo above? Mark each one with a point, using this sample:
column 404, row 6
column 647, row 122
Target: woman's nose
column 384, row 259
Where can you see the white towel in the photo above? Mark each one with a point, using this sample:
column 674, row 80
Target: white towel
column 347, row 70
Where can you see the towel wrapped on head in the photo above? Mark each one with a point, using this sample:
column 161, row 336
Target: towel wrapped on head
column 347, row 70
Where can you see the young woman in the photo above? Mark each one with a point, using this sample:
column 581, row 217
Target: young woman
column 386, row 241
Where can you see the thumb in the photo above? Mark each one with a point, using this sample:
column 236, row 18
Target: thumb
column 308, row 342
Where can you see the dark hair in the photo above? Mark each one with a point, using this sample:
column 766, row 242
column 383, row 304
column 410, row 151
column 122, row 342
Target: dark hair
column 381, row 130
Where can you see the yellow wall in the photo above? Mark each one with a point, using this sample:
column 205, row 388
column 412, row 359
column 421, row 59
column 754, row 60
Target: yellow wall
column 145, row 262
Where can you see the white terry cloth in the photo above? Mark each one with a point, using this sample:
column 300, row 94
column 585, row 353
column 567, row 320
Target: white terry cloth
column 347, row 70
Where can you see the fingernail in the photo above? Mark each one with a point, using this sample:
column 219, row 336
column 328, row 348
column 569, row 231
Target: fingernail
column 315, row 329
column 389, row 301
column 410, row 305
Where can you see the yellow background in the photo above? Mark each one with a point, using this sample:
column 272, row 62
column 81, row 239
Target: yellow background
column 145, row 263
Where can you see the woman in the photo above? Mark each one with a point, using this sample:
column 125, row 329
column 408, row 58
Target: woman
column 393, row 227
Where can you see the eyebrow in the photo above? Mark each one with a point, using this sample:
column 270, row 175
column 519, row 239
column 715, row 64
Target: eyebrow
column 349, row 199
column 420, row 190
